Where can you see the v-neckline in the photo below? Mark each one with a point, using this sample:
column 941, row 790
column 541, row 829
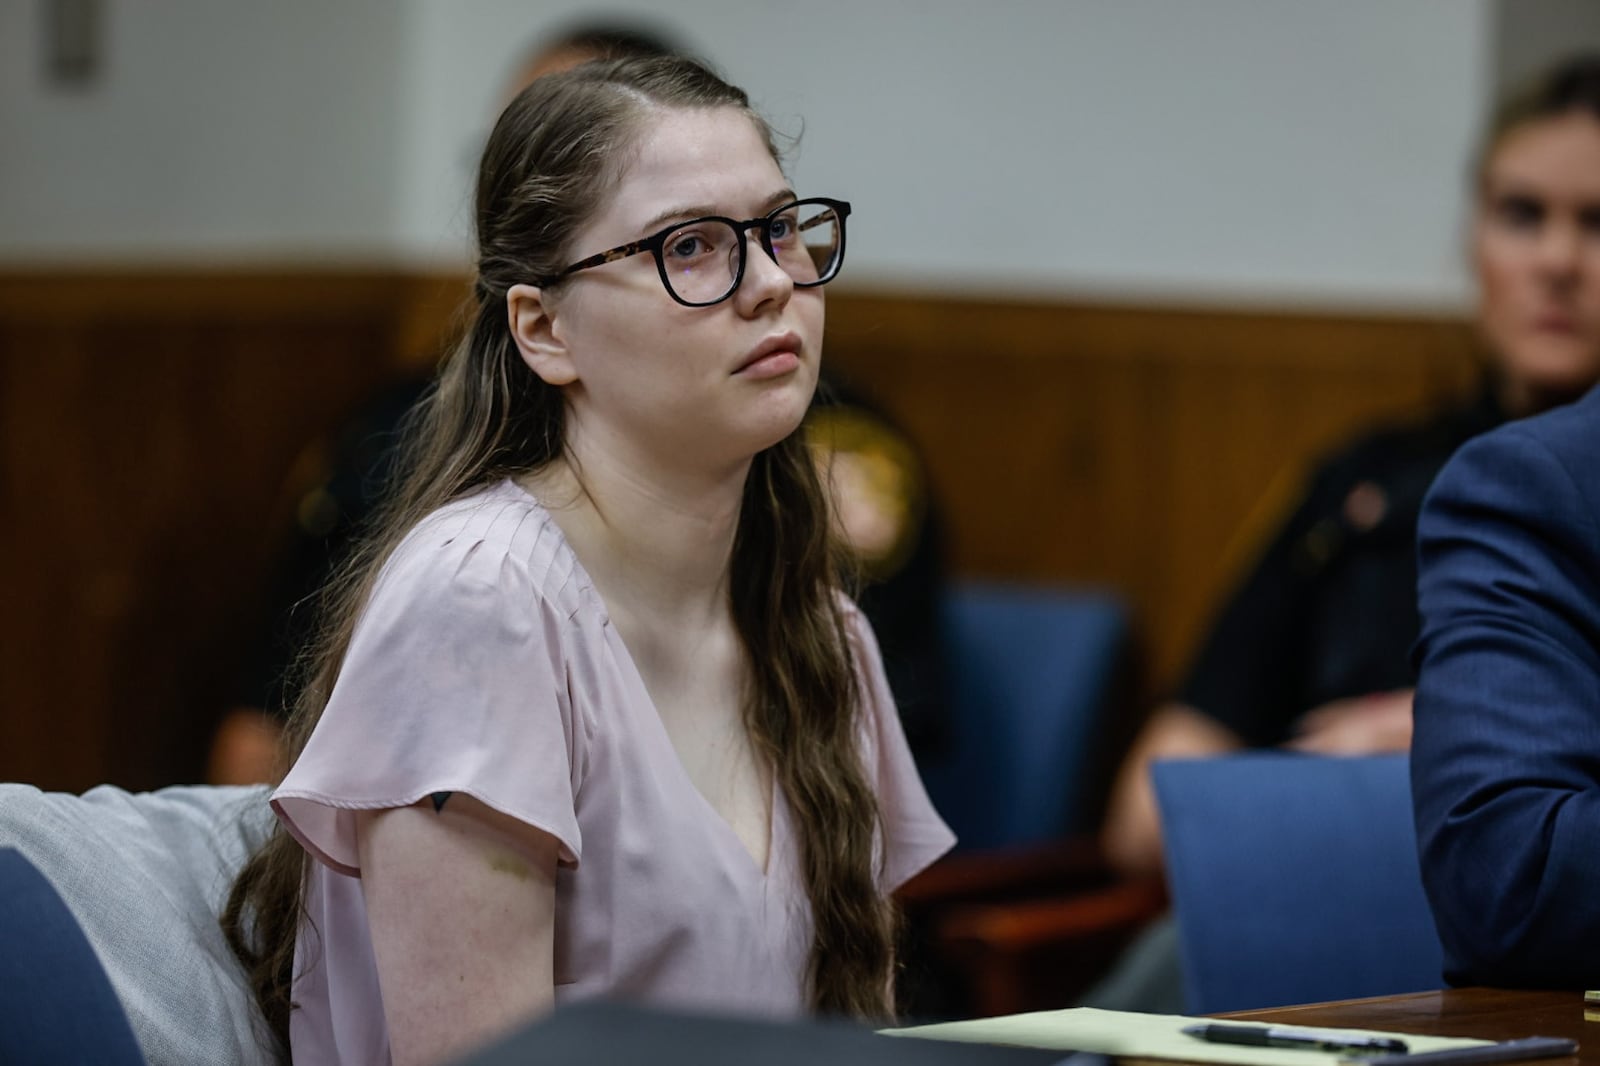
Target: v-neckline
column 662, row 738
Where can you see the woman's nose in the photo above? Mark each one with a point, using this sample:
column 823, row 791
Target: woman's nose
column 1560, row 249
column 763, row 278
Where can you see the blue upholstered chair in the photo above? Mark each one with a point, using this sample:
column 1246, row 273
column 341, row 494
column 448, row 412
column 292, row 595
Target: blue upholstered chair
column 56, row 1002
column 1033, row 672
column 1025, row 913
column 1295, row 879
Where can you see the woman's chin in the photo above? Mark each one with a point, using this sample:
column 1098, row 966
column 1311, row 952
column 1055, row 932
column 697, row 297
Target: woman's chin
column 1546, row 379
column 776, row 417
column 778, row 433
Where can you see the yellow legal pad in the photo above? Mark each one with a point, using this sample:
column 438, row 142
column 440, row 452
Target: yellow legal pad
column 1146, row 1036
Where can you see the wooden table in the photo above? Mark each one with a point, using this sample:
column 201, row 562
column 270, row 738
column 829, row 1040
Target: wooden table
column 1488, row 1013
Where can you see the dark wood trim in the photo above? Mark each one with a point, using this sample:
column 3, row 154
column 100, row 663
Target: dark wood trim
column 150, row 421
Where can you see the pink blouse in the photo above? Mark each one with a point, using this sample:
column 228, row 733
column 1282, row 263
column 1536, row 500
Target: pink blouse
column 485, row 663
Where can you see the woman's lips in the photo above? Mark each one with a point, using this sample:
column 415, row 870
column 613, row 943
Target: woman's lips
column 770, row 365
column 1556, row 324
column 775, row 355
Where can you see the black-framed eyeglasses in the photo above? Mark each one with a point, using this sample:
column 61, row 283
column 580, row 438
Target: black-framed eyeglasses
column 701, row 261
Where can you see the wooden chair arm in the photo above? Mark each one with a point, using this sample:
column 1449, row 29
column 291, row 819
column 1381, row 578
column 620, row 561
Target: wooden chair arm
column 1061, row 867
column 1024, row 929
column 1120, row 908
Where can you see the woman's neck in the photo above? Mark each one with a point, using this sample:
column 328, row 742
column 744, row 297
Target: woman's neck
column 1520, row 399
column 656, row 541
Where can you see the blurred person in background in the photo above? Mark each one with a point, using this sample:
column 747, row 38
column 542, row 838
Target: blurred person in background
column 885, row 512
column 1503, row 767
column 1311, row 651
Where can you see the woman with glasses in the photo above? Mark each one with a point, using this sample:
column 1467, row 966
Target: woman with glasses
column 589, row 716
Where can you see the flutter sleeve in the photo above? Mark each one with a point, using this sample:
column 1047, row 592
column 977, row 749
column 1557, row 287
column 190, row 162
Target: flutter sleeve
column 914, row 834
column 454, row 681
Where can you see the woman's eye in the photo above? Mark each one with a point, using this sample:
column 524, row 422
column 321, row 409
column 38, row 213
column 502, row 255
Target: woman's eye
column 1521, row 212
column 686, row 246
column 782, row 228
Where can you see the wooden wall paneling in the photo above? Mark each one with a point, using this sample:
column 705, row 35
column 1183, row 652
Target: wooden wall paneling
column 44, row 683
column 145, row 473
column 1250, row 430
column 433, row 313
column 148, row 422
column 1128, row 446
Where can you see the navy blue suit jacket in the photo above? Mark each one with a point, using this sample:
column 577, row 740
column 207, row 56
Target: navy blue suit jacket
column 1505, row 763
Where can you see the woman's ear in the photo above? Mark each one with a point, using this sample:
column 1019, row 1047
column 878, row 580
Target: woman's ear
column 538, row 339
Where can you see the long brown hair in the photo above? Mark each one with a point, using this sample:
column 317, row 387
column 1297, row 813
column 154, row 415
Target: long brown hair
column 554, row 154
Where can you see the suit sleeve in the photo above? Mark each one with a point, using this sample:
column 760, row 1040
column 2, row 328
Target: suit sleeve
column 1506, row 755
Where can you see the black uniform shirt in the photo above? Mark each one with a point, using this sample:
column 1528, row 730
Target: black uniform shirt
column 1330, row 611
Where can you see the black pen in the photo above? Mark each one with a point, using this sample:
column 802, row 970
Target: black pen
column 1530, row 1047
column 1305, row 1039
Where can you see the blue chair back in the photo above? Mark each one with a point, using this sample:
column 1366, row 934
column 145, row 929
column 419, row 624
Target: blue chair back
column 1031, row 670
column 1295, row 879
column 56, row 1003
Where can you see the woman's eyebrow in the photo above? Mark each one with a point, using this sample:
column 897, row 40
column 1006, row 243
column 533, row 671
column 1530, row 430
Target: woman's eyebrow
column 676, row 214
column 782, row 196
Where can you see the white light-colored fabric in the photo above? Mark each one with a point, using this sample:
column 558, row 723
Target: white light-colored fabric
column 146, row 875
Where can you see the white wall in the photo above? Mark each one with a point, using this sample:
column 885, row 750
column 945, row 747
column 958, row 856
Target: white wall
column 1237, row 150
column 217, row 129
column 1290, row 151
